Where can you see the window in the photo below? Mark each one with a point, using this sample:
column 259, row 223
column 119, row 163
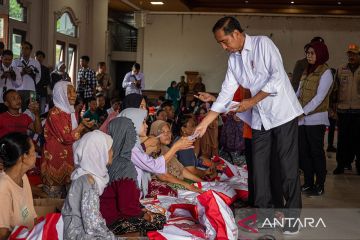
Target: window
column 18, row 37
column 59, row 54
column 65, row 25
column 17, row 11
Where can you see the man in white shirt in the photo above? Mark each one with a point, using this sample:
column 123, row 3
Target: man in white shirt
column 30, row 71
column 256, row 64
column 134, row 81
column 10, row 77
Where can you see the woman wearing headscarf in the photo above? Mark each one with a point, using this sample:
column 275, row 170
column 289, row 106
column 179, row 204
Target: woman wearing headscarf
column 313, row 93
column 81, row 211
column 176, row 173
column 61, row 131
column 129, row 174
column 59, row 74
column 134, row 100
column 173, row 94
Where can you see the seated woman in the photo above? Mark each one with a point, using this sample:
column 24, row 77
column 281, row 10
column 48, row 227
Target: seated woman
column 176, row 172
column 61, row 131
column 187, row 157
column 17, row 155
column 81, row 213
column 129, row 173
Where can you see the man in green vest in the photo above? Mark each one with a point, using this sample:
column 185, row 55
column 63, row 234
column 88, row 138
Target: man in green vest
column 348, row 111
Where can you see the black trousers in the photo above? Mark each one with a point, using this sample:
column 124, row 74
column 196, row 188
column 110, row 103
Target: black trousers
column 268, row 146
column 250, row 168
column 348, row 139
column 312, row 154
column 331, row 132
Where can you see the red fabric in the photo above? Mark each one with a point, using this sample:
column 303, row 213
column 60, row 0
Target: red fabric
column 157, row 187
column 57, row 161
column 238, row 97
column 322, row 55
column 213, row 214
column 10, row 123
column 49, row 230
column 120, row 200
column 189, row 207
column 155, row 235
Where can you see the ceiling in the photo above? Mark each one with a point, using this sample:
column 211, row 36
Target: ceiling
column 318, row 7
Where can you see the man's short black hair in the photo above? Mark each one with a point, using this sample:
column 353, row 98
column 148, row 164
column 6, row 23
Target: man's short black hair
column 114, row 100
column 7, row 52
column 136, row 66
column 228, row 24
column 101, row 64
column 159, row 111
column 27, row 43
column 7, row 92
column 91, row 99
column 39, row 52
column 167, row 103
column 2, row 45
column 85, row 58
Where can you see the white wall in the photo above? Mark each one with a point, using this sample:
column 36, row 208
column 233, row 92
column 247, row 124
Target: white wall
column 177, row 43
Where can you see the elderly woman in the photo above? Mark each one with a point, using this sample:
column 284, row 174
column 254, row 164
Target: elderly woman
column 59, row 74
column 129, row 174
column 17, row 155
column 313, row 93
column 176, row 173
column 60, row 132
column 81, row 211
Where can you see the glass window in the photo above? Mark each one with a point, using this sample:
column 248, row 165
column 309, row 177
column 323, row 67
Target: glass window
column 71, row 61
column 16, row 11
column 18, row 37
column 65, row 25
column 60, row 47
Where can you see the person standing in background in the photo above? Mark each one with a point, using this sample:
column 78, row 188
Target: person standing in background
column 134, row 81
column 44, row 83
column 103, row 81
column 30, row 70
column 86, row 81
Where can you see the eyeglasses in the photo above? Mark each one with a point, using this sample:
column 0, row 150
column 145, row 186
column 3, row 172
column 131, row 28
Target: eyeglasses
column 309, row 53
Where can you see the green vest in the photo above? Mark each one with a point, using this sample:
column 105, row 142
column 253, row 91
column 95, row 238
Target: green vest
column 308, row 88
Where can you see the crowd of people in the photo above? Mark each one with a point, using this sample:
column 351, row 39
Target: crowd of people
column 103, row 154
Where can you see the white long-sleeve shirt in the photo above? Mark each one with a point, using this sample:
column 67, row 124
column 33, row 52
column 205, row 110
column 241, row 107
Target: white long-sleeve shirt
column 320, row 118
column 259, row 67
column 28, row 82
column 128, row 83
column 8, row 82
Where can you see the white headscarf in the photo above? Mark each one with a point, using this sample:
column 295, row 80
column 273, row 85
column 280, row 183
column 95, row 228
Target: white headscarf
column 137, row 116
column 61, row 101
column 91, row 156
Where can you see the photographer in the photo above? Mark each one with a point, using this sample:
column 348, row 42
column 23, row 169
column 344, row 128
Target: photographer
column 134, row 81
column 10, row 77
column 29, row 69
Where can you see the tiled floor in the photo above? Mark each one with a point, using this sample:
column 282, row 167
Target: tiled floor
column 339, row 207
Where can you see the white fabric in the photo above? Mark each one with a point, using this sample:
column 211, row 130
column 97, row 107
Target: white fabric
column 91, row 156
column 28, row 82
column 60, row 99
column 320, row 118
column 259, row 67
